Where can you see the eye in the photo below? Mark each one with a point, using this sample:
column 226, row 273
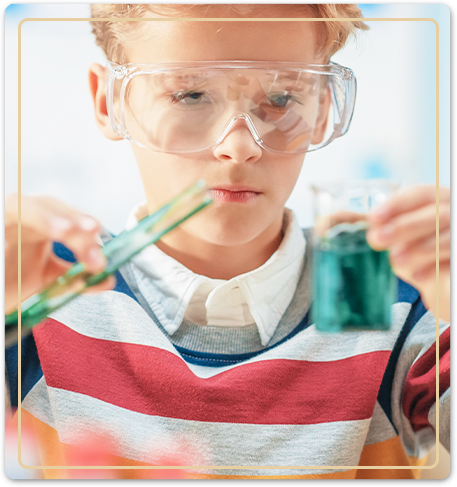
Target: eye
column 280, row 100
column 190, row 98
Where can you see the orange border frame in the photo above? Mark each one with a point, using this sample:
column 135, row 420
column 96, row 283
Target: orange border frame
column 437, row 236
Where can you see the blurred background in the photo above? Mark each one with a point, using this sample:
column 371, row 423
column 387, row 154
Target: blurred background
column 63, row 154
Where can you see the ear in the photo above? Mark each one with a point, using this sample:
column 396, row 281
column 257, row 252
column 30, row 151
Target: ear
column 97, row 87
column 322, row 118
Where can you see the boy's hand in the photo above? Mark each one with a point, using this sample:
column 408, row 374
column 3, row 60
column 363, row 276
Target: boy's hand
column 44, row 220
column 406, row 225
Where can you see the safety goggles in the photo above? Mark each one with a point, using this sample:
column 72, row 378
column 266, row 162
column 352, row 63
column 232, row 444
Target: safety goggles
column 192, row 107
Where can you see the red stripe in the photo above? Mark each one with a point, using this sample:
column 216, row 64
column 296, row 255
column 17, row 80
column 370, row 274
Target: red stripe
column 419, row 392
column 157, row 382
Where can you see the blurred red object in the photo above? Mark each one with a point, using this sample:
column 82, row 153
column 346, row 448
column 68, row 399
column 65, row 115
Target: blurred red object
column 94, row 450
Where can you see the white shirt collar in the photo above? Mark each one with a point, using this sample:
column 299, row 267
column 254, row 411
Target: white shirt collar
column 260, row 296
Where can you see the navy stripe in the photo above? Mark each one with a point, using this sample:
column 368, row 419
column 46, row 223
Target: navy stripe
column 31, row 371
column 406, row 292
column 63, row 252
column 415, row 314
column 123, row 287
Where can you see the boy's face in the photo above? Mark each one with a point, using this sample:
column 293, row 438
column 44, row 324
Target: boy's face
column 237, row 163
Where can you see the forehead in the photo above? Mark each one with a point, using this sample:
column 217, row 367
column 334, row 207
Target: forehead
column 222, row 40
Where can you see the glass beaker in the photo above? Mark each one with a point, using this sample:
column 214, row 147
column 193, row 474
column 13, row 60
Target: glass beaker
column 354, row 286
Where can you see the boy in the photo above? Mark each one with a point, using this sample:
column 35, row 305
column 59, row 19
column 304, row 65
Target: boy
column 204, row 347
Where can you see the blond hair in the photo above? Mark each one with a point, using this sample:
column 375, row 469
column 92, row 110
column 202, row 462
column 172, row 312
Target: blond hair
column 112, row 36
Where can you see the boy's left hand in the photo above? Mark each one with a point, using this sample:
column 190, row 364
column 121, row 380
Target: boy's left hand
column 406, row 226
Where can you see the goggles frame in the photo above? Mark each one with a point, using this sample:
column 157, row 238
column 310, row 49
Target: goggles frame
column 342, row 115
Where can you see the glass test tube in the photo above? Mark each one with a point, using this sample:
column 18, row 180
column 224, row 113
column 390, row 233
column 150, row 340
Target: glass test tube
column 118, row 251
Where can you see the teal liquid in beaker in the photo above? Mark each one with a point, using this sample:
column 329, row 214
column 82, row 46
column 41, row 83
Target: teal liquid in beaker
column 354, row 286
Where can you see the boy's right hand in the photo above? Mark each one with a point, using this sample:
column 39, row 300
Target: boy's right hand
column 45, row 220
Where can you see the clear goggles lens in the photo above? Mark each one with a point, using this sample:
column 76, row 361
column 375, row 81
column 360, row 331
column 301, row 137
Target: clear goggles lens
column 182, row 109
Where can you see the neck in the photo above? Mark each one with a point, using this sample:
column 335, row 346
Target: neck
column 219, row 261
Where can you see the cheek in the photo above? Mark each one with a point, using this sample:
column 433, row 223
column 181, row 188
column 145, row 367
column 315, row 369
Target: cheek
column 286, row 175
column 163, row 175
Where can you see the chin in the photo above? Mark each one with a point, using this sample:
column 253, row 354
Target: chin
column 226, row 233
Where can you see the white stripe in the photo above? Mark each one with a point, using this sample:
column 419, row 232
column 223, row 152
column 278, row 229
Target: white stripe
column 112, row 316
column 38, row 403
column 147, row 438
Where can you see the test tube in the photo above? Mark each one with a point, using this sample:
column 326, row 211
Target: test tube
column 117, row 251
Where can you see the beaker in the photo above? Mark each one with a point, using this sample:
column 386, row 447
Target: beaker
column 353, row 285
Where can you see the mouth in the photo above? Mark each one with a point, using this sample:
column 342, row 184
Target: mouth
column 235, row 194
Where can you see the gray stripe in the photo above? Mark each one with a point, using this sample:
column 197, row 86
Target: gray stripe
column 444, row 419
column 381, row 428
column 148, row 438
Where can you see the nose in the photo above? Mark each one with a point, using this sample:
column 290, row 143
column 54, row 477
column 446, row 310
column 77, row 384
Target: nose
column 238, row 144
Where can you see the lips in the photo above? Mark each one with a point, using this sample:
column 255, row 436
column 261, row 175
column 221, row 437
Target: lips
column 235, row 194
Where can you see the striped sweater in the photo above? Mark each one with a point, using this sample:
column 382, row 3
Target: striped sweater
column 308, row 405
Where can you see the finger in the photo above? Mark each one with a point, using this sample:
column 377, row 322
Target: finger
column 410, row 227
column 409, row 262
column 435, row 296
column 423, row 252
column 416, row 260
column 408, row 200
column 87, row 251
column 45, row 218
column 35, row 214
column 405, row 228
column 47, row 269
column 106, row 285
column 426, row 273
column 49, row 217
column 54, row 268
